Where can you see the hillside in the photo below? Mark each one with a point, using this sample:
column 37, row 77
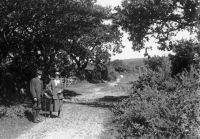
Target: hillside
column 134, row 62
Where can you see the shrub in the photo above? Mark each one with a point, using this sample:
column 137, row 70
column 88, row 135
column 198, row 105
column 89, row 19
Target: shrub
column 156, row 63
column 184, row 55
column 119, row 66
column 160, row 107
column 2, row 111
column 13, row 111
column 101, row 73
column 112, row 76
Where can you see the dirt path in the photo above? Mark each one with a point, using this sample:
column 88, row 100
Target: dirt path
column 82, row 117
column 78, row 122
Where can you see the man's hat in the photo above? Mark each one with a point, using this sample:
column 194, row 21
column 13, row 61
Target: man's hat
column 57, row 73
column 39, row 72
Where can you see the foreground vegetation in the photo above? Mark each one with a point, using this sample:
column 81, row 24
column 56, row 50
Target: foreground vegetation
column 161, row 105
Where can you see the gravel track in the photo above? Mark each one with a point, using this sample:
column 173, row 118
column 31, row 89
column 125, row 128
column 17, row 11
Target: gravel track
column 78, row 120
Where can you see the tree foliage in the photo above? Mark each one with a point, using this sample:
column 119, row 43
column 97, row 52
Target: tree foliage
column 119, row 66
column 161, row 19
column 157, row 63
column 184, row 56
column 51, row 34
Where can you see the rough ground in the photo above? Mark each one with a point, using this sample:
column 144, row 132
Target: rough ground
column 84, row 115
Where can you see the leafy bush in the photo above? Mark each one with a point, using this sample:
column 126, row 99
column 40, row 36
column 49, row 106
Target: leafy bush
column 2, row 111
column 119, row 66
column 101, row 73
column 112, row 76
column 13, row 111
column 184, row 55
column 160, row 107
column 157, row 62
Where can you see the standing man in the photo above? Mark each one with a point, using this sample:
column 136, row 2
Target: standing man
column 36, row 92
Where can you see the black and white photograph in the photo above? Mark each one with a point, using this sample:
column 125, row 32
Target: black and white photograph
column 99, row 69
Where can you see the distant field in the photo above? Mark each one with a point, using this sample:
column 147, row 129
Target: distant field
column 134, row 62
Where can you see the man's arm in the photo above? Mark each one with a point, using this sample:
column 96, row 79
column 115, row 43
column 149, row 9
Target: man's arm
column 32, row 88
column 49, row 87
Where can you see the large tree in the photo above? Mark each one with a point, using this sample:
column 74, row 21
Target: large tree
column 45, row 27
column 49, row 34
column 161, row 19
column 94, row 37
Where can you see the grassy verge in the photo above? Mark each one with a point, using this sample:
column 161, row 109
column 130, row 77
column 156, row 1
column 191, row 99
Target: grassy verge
column 110, row 132
column 10, row 128
column 11, row 125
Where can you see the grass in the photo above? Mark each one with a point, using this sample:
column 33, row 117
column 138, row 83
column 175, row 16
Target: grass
column 11, row 127
column 110, row 131
column 134, row 62
column 15, row 119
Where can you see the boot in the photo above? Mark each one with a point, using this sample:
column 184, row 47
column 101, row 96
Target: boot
column 35, row 117
column 59, row 114
column 50, row 114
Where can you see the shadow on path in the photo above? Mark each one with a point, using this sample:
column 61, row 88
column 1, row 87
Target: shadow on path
column 69, row 93
column 28, row 115
column 112, row 98
column 104, row 102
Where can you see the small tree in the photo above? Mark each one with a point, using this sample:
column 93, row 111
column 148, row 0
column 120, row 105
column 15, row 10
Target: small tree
column 184, row 56
column 119, row 65
column 154, row 63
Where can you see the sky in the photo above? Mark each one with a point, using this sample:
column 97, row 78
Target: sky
column 127, row 52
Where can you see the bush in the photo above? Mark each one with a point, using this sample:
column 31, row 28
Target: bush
column 184, row 56
column 119, row 66
column 112, row 76
column 2, row 111
column 160, row 107
column 13, row 111
column 156, row 63
column 101, row 73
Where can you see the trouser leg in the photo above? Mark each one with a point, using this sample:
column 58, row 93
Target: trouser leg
column 60, row 107
column 34, row 116
column 59, row 113
column 36, row 110
column 49, row 107
column 50, row 113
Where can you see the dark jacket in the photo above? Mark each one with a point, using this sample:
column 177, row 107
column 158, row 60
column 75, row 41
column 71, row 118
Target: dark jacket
column 55, row 89
column 36, row 87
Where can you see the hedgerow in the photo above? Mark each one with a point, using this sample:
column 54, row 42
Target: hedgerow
column 160, row 107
